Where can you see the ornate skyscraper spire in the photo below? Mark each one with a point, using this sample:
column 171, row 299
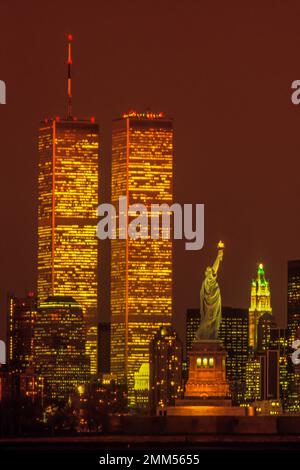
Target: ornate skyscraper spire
column 260, row 304
column 69, row 105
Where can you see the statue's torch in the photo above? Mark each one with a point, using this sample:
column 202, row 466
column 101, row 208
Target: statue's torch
column 221, row 247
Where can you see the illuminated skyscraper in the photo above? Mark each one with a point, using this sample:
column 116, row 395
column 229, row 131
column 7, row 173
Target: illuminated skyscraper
column 67, row 214
column 262, row 376
column 20, row 331
column 104, row 348
column 192, row 324
column 60, row 357
column 141, row 269
column 279, row 341
column 254, row 378
column 264, row 326
column 5, row 383
column 165, row 368
column 234, row 333
column 260, row 305
column 293, row 291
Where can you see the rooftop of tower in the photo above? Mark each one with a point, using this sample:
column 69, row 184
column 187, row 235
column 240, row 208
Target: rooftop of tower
column 143, row 115
column 72, row 119
column 59, row 301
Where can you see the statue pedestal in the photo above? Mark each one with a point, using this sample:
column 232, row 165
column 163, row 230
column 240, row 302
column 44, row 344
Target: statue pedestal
column 207, row 390
column 207, row 372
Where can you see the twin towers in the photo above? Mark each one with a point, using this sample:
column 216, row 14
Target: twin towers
column 142, row 269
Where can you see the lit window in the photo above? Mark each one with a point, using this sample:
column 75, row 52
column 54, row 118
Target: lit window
column 205, row 362
column 211, row 362
column 199, row 361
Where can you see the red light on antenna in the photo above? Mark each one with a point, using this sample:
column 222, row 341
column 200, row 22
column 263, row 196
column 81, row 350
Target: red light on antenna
column 70, row 37
column 57, row 118
column 92, row 119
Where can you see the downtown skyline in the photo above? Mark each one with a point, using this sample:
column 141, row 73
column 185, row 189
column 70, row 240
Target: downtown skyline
column 258, row 238
column 150, row 259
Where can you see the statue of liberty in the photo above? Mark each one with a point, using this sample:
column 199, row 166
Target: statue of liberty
column 210, row 301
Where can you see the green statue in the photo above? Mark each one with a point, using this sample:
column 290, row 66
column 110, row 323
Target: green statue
column 210, row 301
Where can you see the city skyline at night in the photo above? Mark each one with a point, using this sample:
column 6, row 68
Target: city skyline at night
column 150, row 262
column 181, row 79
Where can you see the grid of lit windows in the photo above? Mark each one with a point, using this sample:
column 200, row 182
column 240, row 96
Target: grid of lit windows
column 192, row 325
column 279, row 341
column 141, row 270
column 293, row 291
column 20, row 326
column 165, row 368
column 60, row 355
column 253, row 390
column 294, row 287
column 67, row 210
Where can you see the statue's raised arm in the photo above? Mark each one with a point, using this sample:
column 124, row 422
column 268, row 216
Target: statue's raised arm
column 210, row 301
column 219, row 258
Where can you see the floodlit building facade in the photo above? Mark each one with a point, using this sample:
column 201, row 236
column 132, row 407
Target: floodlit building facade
column 67, row 214
column 165, row 368
column 260, row 304
column 104, row 348
column 20, row 331
column 141, row 269
column 279, row 341
column 234, row 334
column 191, row 326
column 60, row 357
column 293, row 333
column 262, row 377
